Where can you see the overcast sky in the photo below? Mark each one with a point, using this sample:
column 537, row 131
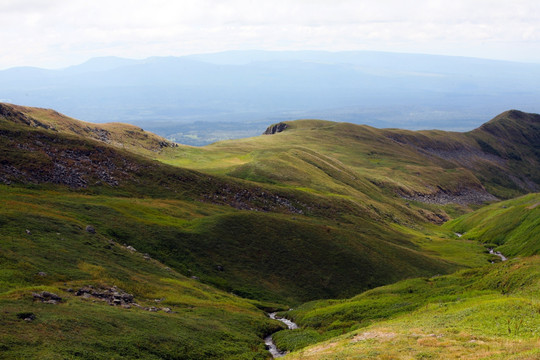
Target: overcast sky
column 58, row 33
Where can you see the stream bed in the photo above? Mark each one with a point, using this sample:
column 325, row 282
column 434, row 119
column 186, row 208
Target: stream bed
column 270, row 345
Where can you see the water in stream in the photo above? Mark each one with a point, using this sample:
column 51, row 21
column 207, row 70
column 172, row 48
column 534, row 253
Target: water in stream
column 503, row 258
column 270, row 345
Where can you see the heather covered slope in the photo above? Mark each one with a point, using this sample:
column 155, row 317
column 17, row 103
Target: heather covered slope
column 119, row 135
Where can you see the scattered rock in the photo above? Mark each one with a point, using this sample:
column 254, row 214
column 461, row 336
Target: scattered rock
column 442, row 197
column 26, row 316
column 167, row 310
column 153, row 309
column 146, row 257
column 219, row 268
column 42, row 274
column 90, row 229
column 69, row 290
column 131, row 248
column 113, row 296
column 47, row 297
column 28, row 232
column 195, row 277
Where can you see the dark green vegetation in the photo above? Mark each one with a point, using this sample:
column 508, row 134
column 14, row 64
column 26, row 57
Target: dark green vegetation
column 320, row 210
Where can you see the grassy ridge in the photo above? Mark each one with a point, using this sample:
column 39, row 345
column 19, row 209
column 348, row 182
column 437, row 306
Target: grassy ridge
column 501, row 156
column 512, row 227
column 123, row 136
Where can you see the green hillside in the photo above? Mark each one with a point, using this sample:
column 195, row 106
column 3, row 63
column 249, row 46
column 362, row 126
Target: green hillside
column 164, row 251
column 178, row 317
column 502, row 157
column 511, row 227
column 336, row 245
column 495, row 305
column 486, row 313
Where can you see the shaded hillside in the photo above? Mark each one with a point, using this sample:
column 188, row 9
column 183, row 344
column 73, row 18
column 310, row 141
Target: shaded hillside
column 114, row 301
column 243, row 227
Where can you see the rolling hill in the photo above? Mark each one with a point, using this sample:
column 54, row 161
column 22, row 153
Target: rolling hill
column 500, row 159
column 165, row 251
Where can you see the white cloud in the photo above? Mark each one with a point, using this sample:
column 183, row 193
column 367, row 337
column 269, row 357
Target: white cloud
column 57, row 33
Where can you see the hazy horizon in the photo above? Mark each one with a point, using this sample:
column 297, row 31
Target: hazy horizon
column 56, row 34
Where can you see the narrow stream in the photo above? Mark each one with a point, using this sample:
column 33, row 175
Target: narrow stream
column 270, row 345
column 498, row 253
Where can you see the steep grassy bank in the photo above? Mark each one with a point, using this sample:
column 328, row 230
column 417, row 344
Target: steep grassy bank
column 512, row 227
column 491, row 312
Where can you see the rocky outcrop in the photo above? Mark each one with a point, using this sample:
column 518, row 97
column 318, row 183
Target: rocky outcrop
column 47, row 297
column 116, row 297
column 46, row 158
column 276, row 128
column 113, row 296
column 462, row 197
column 254, row 199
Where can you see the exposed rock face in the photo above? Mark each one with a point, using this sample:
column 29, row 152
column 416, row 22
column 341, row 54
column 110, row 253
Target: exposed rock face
column 276, row 128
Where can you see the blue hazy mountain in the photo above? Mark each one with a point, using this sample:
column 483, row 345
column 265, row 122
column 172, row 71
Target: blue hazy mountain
column 164, row 94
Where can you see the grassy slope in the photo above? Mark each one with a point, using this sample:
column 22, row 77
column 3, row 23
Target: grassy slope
column 349, row 245
column 346, row 159
column 354, row 233
column 120, row 135
column 206, row 323
column 491, row 312
column 513, row 226
column 328, row 260
column 487, row 312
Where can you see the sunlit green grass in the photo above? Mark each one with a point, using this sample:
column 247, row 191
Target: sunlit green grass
column 512, row 227
column 450, row 316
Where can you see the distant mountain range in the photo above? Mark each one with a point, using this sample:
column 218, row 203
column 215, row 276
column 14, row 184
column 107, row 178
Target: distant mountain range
column 163, row 94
